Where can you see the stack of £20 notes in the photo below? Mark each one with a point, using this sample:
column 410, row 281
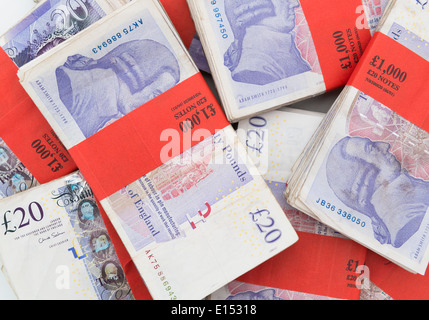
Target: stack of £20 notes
column 190, row 212
column 264, row 54
column 364, row 172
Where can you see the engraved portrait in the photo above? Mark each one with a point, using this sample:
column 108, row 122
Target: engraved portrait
column 98, row 92
column 264, row 48
column 368, row 178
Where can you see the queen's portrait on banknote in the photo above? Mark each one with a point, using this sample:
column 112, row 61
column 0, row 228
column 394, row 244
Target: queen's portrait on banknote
column 261, row 60
column 122, row 80
column 368, row 178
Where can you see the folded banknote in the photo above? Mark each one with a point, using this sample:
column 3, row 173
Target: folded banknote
column 149, row 137
column 264, row 54
column 54, row 245
column 32, row 153
column 274, row 141
column 364, row 171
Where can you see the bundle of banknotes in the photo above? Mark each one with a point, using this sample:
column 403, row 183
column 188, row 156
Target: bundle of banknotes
column 364, row 170
column 169, row 200
column 55, row 245
column 14, row 176
column 148, row 136
column 274, row 141
column 51, row 23
column 31, row 153
column 265, row 54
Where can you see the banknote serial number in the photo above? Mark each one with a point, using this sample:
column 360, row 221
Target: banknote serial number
column 219, row 19
column 115, row 37
column 340, row 212
column 161, row 276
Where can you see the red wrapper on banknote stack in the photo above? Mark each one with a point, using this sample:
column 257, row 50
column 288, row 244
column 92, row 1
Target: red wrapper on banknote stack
column 364, row 172
column 152, row 142
column 267, row 54
column 31, row 152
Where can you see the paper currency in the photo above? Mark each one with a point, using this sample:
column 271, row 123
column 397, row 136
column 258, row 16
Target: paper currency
column 363, row 173
column 77, row 112
column 237, row 290
column 197, row 53
column 374, row 293
column 129, row 77
column 274, row 141
column 264, row 54
column 14, row 176
column 54, row 245
column 50, row 23
column 408, row 286
column 235, row 202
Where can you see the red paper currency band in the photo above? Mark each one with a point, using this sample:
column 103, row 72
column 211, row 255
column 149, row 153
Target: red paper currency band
column 395, row 281
column 132, row 146
column 26, row 132
column 327, row 268
column 339, row 42
column 180, row 16
column 11, row 92
column 396, row 77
